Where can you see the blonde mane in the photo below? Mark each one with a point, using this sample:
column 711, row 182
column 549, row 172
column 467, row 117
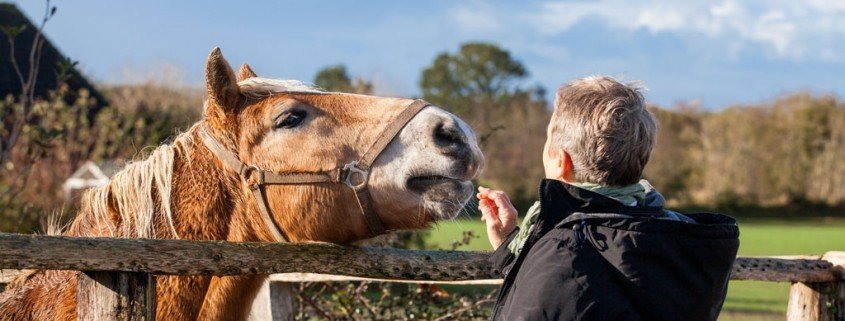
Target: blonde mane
column 139, row 192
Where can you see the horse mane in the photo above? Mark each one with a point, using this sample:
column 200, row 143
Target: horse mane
column 137, row 193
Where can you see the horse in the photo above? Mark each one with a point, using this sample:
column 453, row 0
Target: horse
column 215, row 182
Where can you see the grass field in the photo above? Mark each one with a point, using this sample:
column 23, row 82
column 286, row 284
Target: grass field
column 747, row 300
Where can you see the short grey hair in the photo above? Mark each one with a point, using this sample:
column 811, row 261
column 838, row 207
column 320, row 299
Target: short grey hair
column 605, row 127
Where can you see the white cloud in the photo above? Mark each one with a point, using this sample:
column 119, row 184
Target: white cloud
column 792, row 29
column 825, row 5
column 659, row 19
column 775, row 28
column 475, row 17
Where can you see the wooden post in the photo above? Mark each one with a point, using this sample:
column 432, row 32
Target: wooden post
column 113, row 296
column 816, row 302
column 281, row 301
column 262, row 307
column 823, row 301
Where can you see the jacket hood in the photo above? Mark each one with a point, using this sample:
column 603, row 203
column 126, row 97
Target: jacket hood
column 563, row 205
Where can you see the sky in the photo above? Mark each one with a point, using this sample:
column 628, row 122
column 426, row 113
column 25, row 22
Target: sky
column 715, row 53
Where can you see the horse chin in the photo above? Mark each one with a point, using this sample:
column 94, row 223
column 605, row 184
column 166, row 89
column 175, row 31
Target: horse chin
column 444, row 197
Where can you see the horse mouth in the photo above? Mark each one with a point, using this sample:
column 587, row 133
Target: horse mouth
column 444, row 195
column 429, row 180
column 424, row 183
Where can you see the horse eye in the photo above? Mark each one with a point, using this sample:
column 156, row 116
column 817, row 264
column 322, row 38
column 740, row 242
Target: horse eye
column 291, row 119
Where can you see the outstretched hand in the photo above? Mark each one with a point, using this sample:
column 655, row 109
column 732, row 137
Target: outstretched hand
column 498, row 213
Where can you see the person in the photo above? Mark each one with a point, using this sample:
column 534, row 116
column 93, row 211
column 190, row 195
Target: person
column 599, row 244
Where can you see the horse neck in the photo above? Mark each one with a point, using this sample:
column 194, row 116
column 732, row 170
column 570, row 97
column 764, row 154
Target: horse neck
column 205, row 200
column 208, row 202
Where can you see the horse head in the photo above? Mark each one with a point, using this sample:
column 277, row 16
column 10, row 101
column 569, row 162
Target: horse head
column 420, row 174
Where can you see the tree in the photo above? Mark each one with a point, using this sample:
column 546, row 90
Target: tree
column 477, row 73
column 335, row 78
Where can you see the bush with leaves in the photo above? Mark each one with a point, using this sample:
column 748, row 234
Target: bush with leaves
column 367, row 300
column 67, row 135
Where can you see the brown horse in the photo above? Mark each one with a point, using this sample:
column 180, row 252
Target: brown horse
column 186, row 190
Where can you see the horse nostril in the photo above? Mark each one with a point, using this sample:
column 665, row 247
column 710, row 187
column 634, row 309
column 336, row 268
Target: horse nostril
column 448, row 135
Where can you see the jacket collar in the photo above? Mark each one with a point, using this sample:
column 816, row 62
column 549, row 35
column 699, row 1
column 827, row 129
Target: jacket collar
column 559, row 199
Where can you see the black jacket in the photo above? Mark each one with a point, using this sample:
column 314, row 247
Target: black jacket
column 591, row 258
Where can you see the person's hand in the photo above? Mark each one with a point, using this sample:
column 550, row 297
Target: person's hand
column 498, row 213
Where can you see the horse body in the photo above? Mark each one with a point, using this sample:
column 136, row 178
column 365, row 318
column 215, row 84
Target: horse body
column 184, row 191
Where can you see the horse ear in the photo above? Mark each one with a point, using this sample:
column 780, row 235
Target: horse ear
column 245, row 72
column 220, row 82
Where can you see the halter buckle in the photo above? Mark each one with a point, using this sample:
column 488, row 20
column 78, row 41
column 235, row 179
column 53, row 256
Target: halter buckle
column 247, row 171
column 351, row 169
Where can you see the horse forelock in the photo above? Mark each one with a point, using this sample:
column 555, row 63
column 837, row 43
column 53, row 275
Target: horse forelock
column 257, row 87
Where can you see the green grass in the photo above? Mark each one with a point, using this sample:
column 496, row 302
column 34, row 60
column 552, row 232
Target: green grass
column 746, row 299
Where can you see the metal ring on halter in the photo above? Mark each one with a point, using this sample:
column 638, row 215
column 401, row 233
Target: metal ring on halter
column 247, row 172
column 351, row 169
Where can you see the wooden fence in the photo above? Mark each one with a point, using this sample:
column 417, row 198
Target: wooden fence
column 117, row 282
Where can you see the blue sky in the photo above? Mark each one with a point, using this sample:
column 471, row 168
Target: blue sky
column 717, row 52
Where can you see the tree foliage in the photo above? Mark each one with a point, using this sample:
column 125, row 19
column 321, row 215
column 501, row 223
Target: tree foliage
column 770, row 154
column 477, row 73
column 335, row 78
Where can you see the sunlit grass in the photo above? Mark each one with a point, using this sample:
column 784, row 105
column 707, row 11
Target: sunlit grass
column 757, row 238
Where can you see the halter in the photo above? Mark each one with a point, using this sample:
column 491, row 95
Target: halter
column 355, row 174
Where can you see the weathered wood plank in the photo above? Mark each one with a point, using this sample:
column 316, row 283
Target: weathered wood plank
column 113, row 296
column 783, row 269
column 182, row 257
column 314, row 277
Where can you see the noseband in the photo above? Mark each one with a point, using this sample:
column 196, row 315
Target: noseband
column 355, row 174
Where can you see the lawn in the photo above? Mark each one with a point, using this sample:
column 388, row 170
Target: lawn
column 747, row 300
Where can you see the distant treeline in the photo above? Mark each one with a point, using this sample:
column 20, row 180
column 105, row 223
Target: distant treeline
column 790, row 150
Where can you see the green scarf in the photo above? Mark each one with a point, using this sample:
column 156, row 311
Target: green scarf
column 629, row 195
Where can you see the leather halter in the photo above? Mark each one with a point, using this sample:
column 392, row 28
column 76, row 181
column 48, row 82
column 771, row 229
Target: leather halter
column 355, row 174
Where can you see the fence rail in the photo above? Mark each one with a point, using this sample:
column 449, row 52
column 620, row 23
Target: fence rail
column 818, row 291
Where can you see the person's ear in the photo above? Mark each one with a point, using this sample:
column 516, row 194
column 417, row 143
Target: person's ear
column 565, row 166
